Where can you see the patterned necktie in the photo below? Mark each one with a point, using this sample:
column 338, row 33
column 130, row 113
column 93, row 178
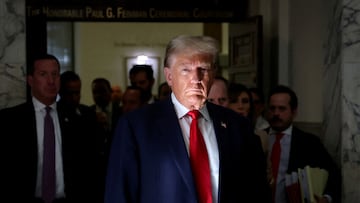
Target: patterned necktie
column 275, row 159
column 199, row 160
column 48, row 176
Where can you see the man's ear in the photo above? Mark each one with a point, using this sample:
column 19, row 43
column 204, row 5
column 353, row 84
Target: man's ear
column 29, row 79
column 295, row 111
column 168, row 76
column 152, row 81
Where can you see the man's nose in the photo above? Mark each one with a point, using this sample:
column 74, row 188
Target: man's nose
column 197, row 75
column 276, row 112
column 51, row 79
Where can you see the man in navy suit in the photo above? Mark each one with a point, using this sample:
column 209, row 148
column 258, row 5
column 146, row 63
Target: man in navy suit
column 149, row 160
column 298, row 148
column 23, row 144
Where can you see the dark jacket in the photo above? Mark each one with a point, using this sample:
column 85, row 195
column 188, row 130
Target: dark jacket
column 19, row 156
column 149, row 161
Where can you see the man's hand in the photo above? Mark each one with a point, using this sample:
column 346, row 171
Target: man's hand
column 321, row 199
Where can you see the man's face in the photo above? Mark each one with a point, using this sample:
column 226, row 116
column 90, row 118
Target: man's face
column 140, row 80
column 280, row 115
column 45, row 81
column 218, row 94
column 101, row 94
column 258, row 106
column 71, row 93
column 116, row 93
column 131, row 100
column 190, row 77
column 165, row 92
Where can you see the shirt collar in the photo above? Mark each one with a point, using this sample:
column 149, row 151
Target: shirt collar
column 181, row 110
column 285, row 132
column 39, row 106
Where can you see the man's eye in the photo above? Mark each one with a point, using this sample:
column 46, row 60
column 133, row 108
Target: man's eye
column 222, row 100
column 204, row 70
column 185, row 71
column 55, row 74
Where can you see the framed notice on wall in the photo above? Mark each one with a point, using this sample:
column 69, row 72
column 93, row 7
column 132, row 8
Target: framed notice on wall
column 243, row 47
column 246, row 52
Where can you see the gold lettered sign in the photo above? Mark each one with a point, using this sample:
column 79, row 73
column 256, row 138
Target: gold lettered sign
column 130, row 14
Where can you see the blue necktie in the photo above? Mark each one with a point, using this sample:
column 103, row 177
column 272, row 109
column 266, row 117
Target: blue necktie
column 48, row 176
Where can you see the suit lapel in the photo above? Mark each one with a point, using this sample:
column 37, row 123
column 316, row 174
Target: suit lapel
column 220, row 126
column 221, row 132
column 295, row 151
column 172, row 132
column 63, row 122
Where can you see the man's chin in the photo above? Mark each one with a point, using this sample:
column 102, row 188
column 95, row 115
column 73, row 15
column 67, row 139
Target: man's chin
column 278, row 128
column 196, row 101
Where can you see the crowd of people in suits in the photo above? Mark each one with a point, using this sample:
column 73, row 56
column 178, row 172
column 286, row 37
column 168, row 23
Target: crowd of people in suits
column 299, row 148
column 132, row 146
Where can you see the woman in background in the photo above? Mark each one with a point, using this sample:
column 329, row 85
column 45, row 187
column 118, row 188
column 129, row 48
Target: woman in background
column 240, row 101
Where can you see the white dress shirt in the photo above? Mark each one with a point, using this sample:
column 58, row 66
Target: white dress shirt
column 208, row 132
column 285, row 143
column 40, row 113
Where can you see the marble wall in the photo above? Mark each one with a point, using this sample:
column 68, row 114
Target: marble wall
column 12, row 53
column 341, row 97
column 350, row 100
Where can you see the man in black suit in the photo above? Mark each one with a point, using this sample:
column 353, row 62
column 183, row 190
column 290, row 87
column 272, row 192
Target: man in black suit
column 23, row 144
column 70, row 95
column 143, row 76
column 69, row 103
column 82, row 117
column 152, row 154
column 133, row 98
column 298, row 148
column 107, row 111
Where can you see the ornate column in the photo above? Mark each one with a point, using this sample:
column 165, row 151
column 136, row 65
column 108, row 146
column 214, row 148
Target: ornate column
column 342, row 93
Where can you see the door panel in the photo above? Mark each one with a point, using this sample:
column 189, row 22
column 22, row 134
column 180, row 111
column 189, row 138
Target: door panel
column 245, row 52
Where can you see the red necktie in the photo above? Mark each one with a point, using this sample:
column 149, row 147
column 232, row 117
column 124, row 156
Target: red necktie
column 199, row 160
column 275, row 158
column 48, row 177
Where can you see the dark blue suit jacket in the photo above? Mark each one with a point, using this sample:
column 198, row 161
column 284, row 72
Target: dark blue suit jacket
column 149, row 161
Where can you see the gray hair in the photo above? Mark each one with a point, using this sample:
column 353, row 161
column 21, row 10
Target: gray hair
column 192, row 45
